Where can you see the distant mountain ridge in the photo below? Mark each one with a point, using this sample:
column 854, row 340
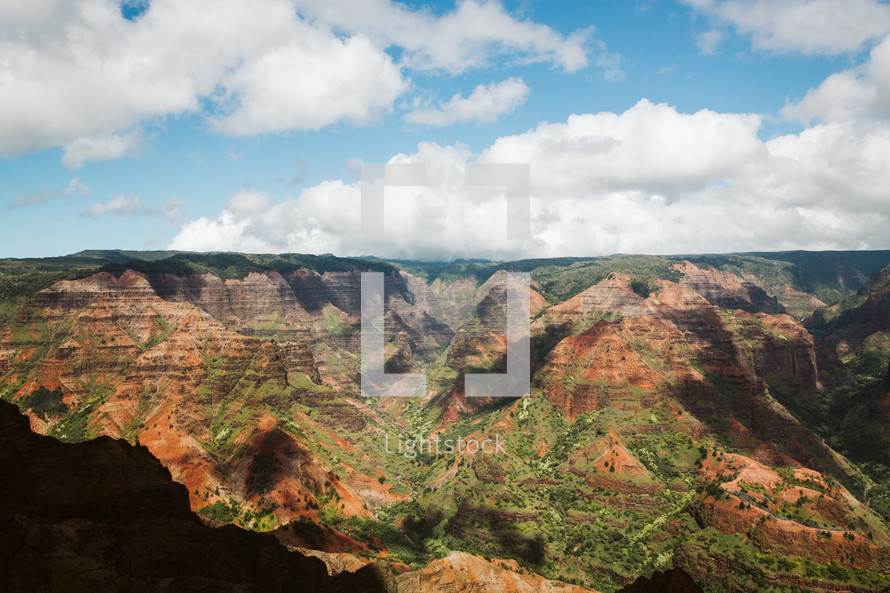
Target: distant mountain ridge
column 828, row 276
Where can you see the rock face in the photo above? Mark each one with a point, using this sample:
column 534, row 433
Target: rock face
column 800, row 304
column 677, row 344
column 597, row 368
column 727, row 290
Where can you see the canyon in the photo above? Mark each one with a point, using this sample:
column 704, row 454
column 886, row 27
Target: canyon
column 710, row 415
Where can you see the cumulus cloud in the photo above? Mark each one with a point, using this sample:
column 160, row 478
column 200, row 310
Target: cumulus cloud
column 484, row 105
column 838, row 167
column 811, row 27
column 293, row 88
column 322, row 216
column 649, row 147
column 74, row 187
column 82, row 76
column 862, row 92
column 650, row 180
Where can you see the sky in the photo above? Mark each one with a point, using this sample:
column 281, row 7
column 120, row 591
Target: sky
column 648, row 126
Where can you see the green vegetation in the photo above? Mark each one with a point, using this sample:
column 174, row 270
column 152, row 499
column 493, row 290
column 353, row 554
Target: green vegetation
column 641, row 287
column 237, row 266
column 79, row 424
column 218, row 511
column 20, row 279
column 45, row 403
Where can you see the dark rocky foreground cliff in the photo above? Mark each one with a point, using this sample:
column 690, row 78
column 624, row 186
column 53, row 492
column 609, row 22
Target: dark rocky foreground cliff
column 674, row 580
column 104, row 515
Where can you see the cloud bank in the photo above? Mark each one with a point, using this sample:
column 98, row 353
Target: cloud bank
column 648, row 180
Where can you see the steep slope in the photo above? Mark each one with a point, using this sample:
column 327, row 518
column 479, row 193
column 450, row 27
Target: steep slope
column 854, row 339
column 802, row 281
column 194, row 392
column 861, row 322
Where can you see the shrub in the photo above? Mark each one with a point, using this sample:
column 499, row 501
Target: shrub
column 43, row 402
column 218, row 511
column 641, row 287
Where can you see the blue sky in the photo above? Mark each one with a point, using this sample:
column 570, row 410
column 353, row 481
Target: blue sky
column 649, row 126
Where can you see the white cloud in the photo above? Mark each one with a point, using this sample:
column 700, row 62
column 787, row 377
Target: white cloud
column 609, row 63
column 468, row 37
column 810, row 27
column 311, row 84
column 648, row 180
column 81, row 76
column 840, row 167
column 484, row 105
column 862, row 92
column 649, row 147
column 321, row 216
column 224, row 233
column 74, row 186
column 709, row 41
column 123, row 205
column 248, row 201
column 99, row 148
column 120, row 205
